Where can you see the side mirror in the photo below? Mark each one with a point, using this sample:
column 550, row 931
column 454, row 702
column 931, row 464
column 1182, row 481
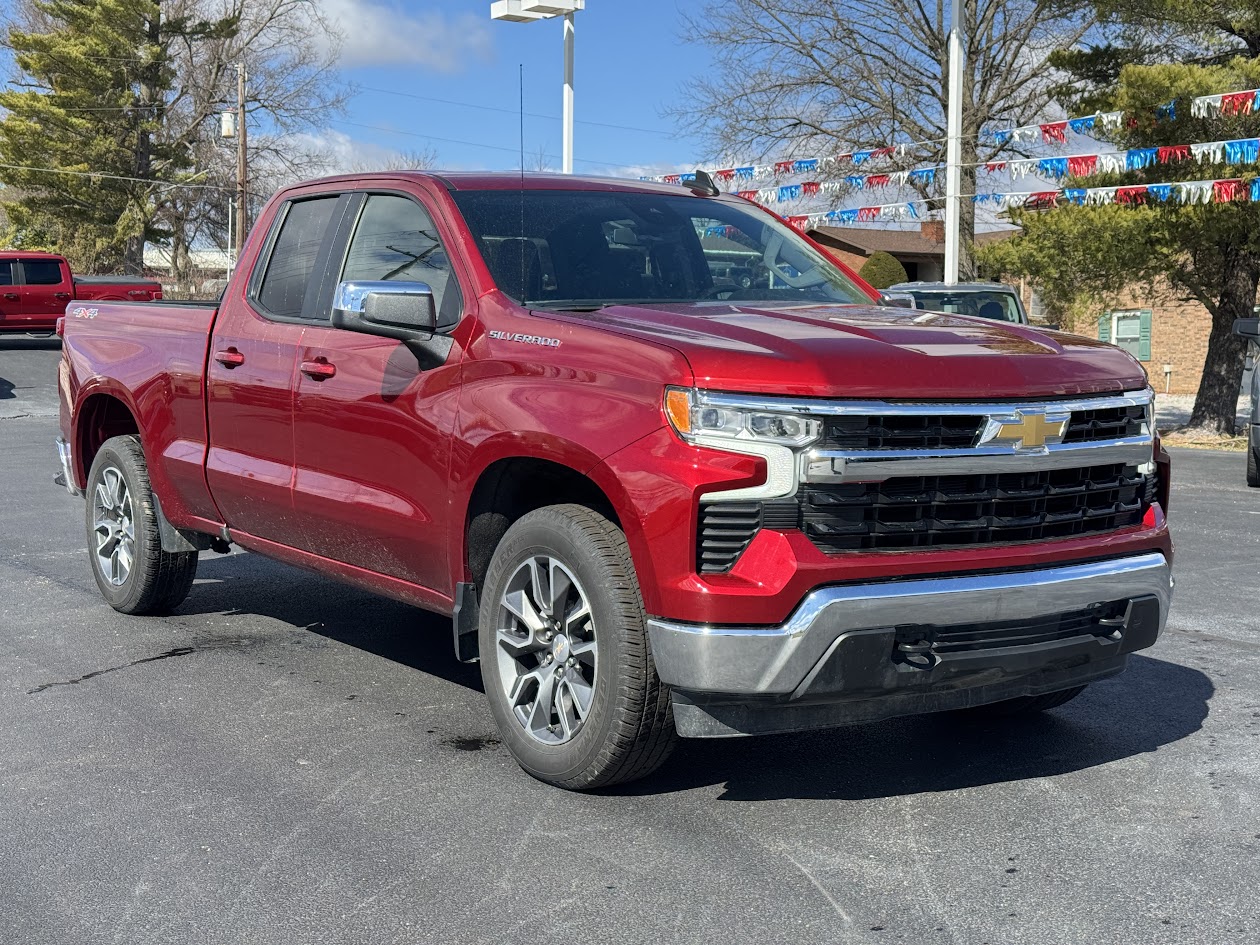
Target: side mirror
column 402, row 310
column 1248, row 328
column 899, row 299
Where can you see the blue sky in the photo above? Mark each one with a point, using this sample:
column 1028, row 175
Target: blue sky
column 630, row 63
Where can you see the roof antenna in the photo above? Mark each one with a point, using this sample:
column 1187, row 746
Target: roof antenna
column 703, row 184
column 521, row 84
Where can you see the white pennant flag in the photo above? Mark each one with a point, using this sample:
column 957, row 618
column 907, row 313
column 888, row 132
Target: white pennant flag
column 1021, row 169
column 1212, row 152
column 1194, row 191
column 1111, row 163
column 1026, row 133
column 1011, row 201
column 1111, row 120
column 1097, row 196
column 769, row 195
column 1206, row 106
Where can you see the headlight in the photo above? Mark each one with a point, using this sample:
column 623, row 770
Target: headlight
column 695, row 417
column 778, row 436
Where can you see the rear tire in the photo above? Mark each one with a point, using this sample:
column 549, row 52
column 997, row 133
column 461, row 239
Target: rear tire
column 132, row 571
column 1024, row 705
column 565, row 655
column 1253, row 459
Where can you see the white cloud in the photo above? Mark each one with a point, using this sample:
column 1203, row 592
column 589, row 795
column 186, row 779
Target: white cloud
column 375, row 33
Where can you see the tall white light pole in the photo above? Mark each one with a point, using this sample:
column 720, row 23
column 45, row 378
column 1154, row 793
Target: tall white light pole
column 527, row 11
column 953, row 146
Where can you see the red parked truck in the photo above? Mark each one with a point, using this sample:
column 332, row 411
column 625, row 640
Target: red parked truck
column 653, row 501
column 35, row 289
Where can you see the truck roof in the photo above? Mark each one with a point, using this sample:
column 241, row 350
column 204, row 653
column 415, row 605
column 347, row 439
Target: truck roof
column 28, row 254
column 513, row 180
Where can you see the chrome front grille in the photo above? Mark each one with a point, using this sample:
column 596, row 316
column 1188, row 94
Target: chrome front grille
column 888, row 476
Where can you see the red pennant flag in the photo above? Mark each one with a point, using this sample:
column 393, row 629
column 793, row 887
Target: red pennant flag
column 727, row 173
column 1042, row 200
column 799, row 222
column 867, row 214
column 810, row 187
column 747, row 195
column 783, row 167
column 1173, row 152
column 1054, row 132
column 846, row 156
column 672, row 178
column 994, row 166
column 882, row 152
column 1238, row 103
column 1223, row 191
column 1131, row 195
column 1082, row 165
column 877, row 180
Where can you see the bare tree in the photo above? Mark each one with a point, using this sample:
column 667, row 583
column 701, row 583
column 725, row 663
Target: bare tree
column 792, row 77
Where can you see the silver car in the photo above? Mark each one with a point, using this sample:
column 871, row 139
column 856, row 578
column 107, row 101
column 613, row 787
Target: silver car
column 981, row 299
column 1249, row 328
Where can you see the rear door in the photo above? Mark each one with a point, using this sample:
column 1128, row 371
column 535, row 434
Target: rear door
column 45, row 289
column 10, row 293
column 252, row 367
column 373, row 417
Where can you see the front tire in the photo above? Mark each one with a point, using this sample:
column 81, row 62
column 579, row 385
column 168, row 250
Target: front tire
column 1253, row 458
column 132, row 571
column 565, row 655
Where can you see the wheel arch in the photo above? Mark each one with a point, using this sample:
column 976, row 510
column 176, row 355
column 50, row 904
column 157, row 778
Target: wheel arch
column 100, row 416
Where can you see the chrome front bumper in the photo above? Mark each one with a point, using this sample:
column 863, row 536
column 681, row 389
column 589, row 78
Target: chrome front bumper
column 66, row 478
column 843, row 622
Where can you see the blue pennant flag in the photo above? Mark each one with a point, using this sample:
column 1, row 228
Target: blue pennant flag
column 1082, row 125
column 1161, row 192
column 1255, row 189
column 789, row 191
column 860, row 157
column 746, row 173
column 1075, row 194
column 1001, row 137
column 856, row 180
column 843, row 216
column 1137, row 158
column 914, row 214
column 1053, row 167
column 1166, row 112
column 1245, row 151
column 808, row 164
column 688, row 176
column 924, row 175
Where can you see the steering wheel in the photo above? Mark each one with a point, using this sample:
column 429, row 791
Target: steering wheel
column 803, row 280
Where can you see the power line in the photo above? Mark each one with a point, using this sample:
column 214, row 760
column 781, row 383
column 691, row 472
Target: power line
column 510, row 111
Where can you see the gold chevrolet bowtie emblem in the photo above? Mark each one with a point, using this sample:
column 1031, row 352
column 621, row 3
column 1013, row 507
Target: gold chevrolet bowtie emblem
column 1030, row 430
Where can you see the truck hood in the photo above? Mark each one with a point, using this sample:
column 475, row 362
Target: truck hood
column 870, row 351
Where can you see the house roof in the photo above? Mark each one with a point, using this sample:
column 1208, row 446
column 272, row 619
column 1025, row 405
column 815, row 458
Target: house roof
column 867, row 240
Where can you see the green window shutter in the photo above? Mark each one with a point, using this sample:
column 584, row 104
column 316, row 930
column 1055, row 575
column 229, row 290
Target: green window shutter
column 1144, row 336
column 1104, row 327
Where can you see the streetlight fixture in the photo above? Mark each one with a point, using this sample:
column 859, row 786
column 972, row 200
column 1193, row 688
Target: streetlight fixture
column 527, row 11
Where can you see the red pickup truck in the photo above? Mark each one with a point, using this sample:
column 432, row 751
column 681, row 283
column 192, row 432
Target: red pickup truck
column 654, row 500
column 35, row 289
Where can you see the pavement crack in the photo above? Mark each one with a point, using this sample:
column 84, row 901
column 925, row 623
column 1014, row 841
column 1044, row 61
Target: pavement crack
column 169, row 654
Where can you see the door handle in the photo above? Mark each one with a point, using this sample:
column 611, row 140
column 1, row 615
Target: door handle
column 12, row 296
column 62, row 296
column 319, row 369
column 231, row 358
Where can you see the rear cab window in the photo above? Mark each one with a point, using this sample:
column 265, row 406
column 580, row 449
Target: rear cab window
column 41, row 272
column 286, row 280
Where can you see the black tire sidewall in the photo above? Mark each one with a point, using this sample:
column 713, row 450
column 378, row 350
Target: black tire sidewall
column 115, row 453
column 567, row 541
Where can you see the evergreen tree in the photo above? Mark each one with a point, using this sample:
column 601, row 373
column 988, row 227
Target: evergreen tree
column 89, row 100
column 1165, row 51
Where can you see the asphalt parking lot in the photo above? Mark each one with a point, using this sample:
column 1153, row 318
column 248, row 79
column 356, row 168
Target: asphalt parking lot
column 287, row 760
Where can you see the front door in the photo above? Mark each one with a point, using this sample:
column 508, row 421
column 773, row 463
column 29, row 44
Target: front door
column 372, row 423
column 252, row 368
column 10, row 293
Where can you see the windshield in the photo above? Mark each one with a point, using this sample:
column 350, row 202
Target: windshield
column 998, row 305
column 586, row 249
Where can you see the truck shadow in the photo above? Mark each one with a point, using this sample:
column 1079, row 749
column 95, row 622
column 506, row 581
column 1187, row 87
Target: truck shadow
column 252, row 584
column 29, row 343
column 6, row 389
column 1152, row 704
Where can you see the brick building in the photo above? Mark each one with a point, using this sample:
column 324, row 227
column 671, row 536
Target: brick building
column 1167, row 334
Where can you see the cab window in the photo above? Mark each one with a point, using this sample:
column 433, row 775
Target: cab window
column 395, row 241
column 41, row 271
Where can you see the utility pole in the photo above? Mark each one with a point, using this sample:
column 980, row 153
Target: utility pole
column 567, row 152
column 242, row 166
column 953, row 146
